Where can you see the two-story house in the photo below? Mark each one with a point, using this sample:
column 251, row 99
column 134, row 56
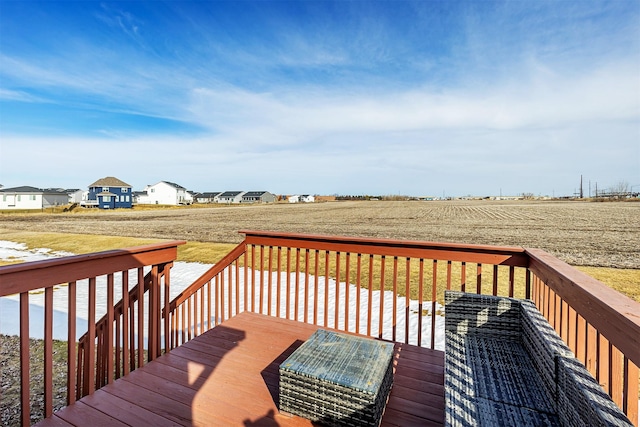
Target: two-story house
column 165, row 193
column 110, row 193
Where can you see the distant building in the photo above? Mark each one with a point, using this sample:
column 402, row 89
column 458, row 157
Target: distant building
column 307, row 198
column 110, row 193
column 136, row 195
column 258, row 197
column 230, row 197
column 165, row 193
column 207, row 197
column 304, row 198
column 31, row 198
column 76, row 195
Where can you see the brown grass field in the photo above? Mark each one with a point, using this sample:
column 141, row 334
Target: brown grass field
column 580, row 233
column 603, row 239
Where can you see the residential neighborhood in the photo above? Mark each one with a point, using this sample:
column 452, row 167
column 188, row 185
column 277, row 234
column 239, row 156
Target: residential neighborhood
column 113, row 193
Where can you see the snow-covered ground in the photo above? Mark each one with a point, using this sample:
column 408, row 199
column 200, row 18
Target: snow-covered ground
column 183, row 274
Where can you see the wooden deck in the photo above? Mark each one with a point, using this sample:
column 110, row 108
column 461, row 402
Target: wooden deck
column 229, row 377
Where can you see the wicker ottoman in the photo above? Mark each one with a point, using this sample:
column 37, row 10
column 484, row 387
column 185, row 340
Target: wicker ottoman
column 337, row 380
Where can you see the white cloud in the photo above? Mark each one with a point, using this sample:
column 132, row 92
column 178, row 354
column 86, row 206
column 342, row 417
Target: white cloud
column 19, row 95
column 294, row 115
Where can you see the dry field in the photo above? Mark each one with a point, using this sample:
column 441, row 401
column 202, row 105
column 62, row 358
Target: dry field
column 580, row 233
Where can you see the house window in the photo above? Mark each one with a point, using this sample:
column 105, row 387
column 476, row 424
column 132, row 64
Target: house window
column 153, row 190
column 106, row 198
column 32, row 197
column 124, row 190
column 18, row 197
column 105, row 189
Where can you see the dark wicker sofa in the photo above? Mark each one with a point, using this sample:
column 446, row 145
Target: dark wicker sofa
column 506, row 366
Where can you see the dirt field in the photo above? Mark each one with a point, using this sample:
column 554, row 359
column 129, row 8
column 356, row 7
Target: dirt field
column 580, row 233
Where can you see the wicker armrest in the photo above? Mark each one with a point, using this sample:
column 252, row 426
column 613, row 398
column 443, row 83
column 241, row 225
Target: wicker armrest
column 506, row 365
column 581, row 400
column 543, row 345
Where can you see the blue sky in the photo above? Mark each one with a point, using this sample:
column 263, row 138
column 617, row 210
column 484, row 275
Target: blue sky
column 347, row 97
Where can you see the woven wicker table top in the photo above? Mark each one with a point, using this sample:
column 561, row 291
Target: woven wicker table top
column 354, row 362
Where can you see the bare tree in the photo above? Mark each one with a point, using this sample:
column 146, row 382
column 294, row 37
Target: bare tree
column 622, row 188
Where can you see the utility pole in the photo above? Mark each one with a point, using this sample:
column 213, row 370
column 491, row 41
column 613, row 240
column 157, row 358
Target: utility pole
column 581, row 192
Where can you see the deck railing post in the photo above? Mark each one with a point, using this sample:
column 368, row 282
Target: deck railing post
column 24, row 359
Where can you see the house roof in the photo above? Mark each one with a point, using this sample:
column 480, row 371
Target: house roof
column 109, row 181
column 254, row 193
column 208, row 194
column 230, row 193
column 173, row 184
column 26, row 189
column 22, row 189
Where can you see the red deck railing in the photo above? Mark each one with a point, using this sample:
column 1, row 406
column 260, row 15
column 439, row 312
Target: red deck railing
column 335, row 282
column 86, row 271
column 287, row 275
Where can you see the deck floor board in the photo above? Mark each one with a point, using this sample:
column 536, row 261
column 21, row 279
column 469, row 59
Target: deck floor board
column 228, row 376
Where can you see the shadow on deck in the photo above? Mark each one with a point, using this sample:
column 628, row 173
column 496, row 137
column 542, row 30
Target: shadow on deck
column 229, row 376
